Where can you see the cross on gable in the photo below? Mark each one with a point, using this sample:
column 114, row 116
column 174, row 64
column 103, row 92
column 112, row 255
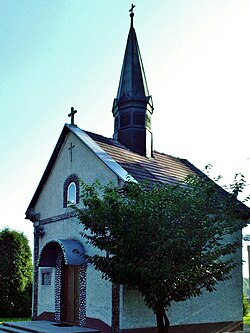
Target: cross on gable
column 71, row 114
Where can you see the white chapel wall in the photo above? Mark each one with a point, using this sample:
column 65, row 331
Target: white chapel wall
column 223, row 305
column 84, row 163
column 99, row 296
column 46, row 296
column 50, row 203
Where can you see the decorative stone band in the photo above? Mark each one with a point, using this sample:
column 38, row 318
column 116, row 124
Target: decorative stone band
column 58, row 283
column 82, row 295
column 35, row 284
column 57, row 218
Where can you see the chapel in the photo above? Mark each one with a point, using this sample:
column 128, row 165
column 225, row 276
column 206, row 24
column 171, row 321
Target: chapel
column 66, row 288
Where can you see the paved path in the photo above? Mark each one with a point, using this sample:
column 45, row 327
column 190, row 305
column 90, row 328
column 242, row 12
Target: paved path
column 43, row 326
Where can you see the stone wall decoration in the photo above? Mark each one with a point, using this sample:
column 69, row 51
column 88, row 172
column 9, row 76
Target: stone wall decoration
column 35, row 283
column 39, row 231
column 58, row 283
column 57, row 218
column 82, row 296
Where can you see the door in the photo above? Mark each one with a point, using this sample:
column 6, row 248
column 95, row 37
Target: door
column 70, row 294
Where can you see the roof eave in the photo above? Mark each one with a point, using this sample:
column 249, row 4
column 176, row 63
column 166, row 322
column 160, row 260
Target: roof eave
column 47, row 170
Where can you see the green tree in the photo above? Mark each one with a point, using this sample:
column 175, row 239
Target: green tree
column 15, row 274
column 245, row 305
column 166, row 241
column 246, row 287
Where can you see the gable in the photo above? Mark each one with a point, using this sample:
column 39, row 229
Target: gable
column 71, row 156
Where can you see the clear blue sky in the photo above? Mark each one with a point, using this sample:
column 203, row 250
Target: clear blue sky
column 61, row 53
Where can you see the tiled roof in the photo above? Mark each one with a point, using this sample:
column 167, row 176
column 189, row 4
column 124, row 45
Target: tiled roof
column 161, row 168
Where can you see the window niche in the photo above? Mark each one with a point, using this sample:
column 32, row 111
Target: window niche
column 46, row 276
column 71, row 191
column 139, row 119
column 71, row 194
column 125, row 119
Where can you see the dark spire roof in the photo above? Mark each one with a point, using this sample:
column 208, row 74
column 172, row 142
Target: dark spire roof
column 133, row 106
column 133, row 80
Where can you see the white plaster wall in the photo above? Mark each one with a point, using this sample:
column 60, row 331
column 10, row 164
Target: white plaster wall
column 63, row 229
column 84, row 163
column 99, row 296
column 222, row 305
column 50, row 203
column 135, row 313
column 46, row 294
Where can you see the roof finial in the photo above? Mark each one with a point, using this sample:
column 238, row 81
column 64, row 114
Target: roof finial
column 132, row 14
column 71, row 115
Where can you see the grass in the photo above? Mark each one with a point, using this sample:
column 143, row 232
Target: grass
column 13, row 319
column 246, row 320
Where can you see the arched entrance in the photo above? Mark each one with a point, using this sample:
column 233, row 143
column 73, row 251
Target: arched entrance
column 68, row 258
column 70, row 293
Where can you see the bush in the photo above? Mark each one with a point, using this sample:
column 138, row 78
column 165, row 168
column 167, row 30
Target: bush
column 246, row 306
column 15, row 274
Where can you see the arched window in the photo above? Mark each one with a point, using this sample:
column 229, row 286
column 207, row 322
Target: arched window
column 71, row 191
column 71, row 194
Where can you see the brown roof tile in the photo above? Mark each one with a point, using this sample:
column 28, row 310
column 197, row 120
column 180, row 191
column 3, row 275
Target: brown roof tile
column 161, row 168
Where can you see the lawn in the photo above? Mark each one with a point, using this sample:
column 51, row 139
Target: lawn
column 246, row 320
column 13, row 319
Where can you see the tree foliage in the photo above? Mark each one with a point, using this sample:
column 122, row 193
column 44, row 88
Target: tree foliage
column 246, row 306
column 166, row 241
column 246, row 287
column 15, row 274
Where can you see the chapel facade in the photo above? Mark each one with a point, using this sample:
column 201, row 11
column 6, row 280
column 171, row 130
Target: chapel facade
column 66, row 288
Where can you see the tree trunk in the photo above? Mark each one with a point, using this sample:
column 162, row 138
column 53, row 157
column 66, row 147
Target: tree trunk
column 162, row 320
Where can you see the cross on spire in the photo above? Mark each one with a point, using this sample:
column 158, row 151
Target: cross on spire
column 71, row 114
column 132, row 14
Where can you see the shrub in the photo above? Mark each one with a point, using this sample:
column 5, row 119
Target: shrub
column 15, row 274
column 246, row 306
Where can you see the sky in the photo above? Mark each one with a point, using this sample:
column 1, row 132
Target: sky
column 61, row 53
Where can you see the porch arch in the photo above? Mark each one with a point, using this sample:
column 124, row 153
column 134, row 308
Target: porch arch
column 72, row 250
column 60, row 253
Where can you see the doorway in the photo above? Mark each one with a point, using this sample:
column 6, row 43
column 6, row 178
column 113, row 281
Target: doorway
column 70, row 294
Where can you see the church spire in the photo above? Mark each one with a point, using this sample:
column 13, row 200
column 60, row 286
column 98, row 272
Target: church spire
column 133, row 106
